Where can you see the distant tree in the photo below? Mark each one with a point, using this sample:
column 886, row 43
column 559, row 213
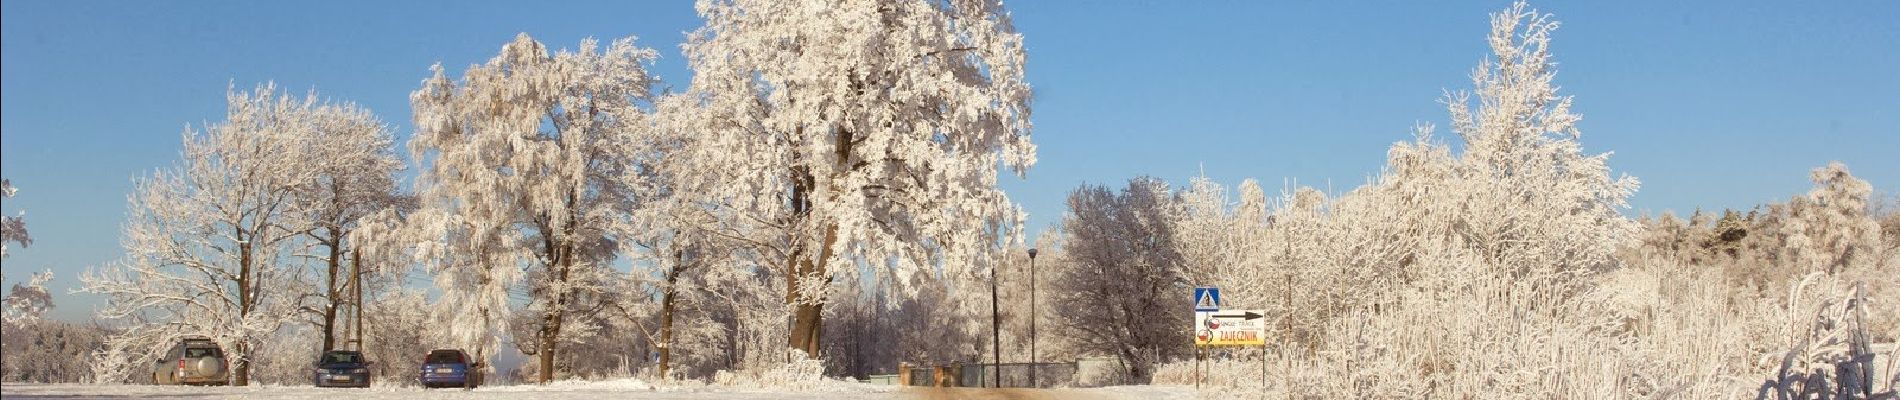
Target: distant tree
column 27, row 301
column 50, row 350
column 12, row 228
column 1728, row 235
column 1124, row 275
column 1833, row 221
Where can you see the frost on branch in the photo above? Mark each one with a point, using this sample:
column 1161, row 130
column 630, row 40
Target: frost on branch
column 12, row 228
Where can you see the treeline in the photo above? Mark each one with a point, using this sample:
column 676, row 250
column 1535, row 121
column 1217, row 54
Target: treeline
column 1504, row 266
column 819, row 182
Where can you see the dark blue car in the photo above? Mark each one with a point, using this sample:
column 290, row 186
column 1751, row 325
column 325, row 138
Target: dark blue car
column 450, row 368
column 341, row 368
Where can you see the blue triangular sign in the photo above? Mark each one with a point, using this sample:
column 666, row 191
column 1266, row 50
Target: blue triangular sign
column 1206, row 299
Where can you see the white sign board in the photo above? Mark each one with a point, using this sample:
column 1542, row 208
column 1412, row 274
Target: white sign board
column 1230, row 328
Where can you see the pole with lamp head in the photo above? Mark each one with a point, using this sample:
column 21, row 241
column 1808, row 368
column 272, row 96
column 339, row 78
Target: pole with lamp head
column 1032, row 318
column 996, row 335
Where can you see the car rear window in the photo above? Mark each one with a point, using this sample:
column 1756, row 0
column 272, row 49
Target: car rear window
column 443, row 357
column 342, row 358
column 196, row 352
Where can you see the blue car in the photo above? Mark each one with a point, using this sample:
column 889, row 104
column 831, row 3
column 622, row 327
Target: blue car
column 450, row 368
column 341, row 368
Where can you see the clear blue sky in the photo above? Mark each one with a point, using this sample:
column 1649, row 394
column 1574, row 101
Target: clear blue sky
column 1712, row 107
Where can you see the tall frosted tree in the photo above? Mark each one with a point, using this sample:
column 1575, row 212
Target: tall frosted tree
column 1522, row 198
column 355, row 178
column 860, row 133
column 210, row 242
column 526, row 153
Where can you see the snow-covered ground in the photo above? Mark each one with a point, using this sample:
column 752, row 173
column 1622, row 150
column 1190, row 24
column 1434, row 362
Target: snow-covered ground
column 620, row 389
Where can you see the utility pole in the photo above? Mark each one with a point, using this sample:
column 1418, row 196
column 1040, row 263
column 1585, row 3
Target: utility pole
column 356, row 275
column 1032, row 318
column 996, row 335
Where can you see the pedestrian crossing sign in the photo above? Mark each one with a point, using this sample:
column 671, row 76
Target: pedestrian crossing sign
column 1206, row 298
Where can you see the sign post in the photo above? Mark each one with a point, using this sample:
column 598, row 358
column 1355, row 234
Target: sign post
column 1206, row 300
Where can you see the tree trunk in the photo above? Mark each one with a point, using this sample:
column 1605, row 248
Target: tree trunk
column 242, row 366
column 666, row 312
column 245, row 301
column 666, row 330
column 547, row 351
column 807, row 314
column 331, row 292
column 557, row 312
column 329, row 327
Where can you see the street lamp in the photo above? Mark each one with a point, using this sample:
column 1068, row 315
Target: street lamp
column 1032, row 318
column 996, row 335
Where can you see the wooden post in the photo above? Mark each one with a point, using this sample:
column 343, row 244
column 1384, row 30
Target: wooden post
column 1286, row 329
column 903, row 373
column 1197, row 367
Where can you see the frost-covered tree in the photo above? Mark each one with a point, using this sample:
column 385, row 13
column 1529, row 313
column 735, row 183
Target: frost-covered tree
column 27, row 301
column 355, row 170
column 1522, row 197
column 1831, row 229
column 210, row 242
column 860, row 133
column 525, row 154
column 1124, row 275
column 12, row 227
column 21, row 309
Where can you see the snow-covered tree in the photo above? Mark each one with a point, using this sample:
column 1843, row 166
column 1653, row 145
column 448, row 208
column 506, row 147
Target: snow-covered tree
column 27, row 301
column 1123, row 275
column 1522, row 196
column 1830, row 228
column 12, row 227
column 860, row 133
column 355, row 168
column 525, row 157
column 21, row 309
column 211, row 243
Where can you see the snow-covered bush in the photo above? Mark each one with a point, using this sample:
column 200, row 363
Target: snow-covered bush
column 800, row 374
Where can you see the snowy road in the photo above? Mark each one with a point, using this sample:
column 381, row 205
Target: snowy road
column 591, row 391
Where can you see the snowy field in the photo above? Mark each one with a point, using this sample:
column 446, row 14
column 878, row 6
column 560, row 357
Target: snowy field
column 625, row 389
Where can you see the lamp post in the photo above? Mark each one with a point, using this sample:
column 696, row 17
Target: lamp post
column 996, row 335
column 1032, row 318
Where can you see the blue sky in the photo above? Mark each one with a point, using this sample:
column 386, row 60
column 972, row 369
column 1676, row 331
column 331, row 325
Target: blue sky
column 1711, row 107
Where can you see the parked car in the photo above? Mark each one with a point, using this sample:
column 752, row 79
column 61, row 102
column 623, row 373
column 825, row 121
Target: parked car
column 193, row 361
column 450, row 368
column 341, row 368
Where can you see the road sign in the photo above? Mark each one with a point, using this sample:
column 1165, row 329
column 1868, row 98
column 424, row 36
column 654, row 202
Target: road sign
column 1206, row 298
column 1230, row 328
